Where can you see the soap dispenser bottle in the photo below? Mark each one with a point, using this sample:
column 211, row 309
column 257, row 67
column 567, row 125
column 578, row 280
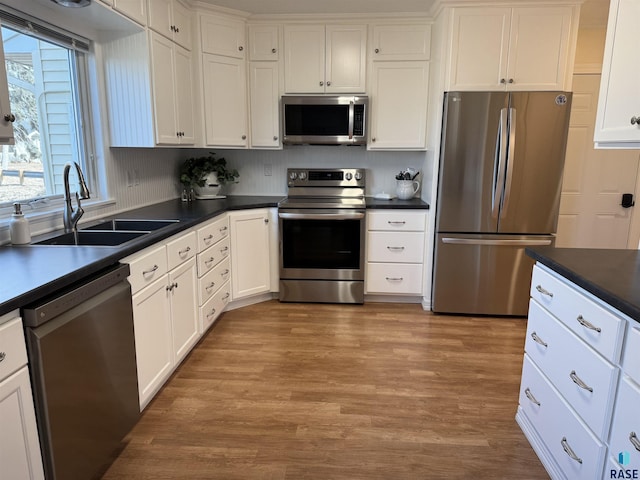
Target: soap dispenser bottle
column 19, row 227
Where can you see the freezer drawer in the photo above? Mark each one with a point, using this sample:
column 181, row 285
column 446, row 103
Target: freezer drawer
column 483, row 274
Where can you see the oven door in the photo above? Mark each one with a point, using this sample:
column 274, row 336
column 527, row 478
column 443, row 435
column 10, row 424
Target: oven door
column 322, row 244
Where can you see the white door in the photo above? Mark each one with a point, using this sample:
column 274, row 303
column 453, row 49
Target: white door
column 594, row 180
column 250, row 265
column 184, row 308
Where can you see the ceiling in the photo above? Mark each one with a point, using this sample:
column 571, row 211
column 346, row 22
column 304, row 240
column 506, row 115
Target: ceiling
column 593, row 13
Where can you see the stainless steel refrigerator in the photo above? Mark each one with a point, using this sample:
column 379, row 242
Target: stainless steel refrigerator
column 500, row 177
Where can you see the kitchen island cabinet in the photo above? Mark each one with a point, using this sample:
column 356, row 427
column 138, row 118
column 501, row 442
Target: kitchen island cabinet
column 577, row 384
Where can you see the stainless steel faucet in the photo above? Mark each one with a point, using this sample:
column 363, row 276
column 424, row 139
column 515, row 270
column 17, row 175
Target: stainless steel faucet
column 71, row 216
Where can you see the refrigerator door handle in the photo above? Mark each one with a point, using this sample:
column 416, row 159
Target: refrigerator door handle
column 509, row 162
column 497, row 242
column 499, row 164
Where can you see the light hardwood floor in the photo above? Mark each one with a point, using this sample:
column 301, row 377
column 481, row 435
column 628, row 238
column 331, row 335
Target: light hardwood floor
column 306, row 391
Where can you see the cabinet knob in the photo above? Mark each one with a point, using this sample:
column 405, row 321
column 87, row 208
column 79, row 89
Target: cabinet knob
column 266, row 220
column 241, row 48
column 328, row 84
column 511, row 80
column 634, row 120
column 273, row 50
column 321, row 83
column 2, row 356
column 377, row 50
column 275, row 139
column 373, row 139
column 244, row 137
column 9, row 117
column 503, row 81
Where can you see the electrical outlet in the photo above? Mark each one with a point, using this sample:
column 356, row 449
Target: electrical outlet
column 136, row 177
column 268, row 169
column 129, row 178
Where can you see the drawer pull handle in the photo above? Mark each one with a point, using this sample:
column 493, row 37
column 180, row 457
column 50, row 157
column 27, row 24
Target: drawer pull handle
column 396, row 222
column 530, row 396
column 569, row 451
column 394, row 279
column 543, row 291
column 208, row 238
column 210, row 286
column 170, row 288
column 226, row 297
column 224, row 250
column 537, row 339
column 633, row 438
column 225, row 273
column 588, row 324
column 223, row 229
column 184, row 252
column 210, row 260
column 578, row 381
column 151, row 270
column 396, row 249
column 4, row 355
column 211, row 313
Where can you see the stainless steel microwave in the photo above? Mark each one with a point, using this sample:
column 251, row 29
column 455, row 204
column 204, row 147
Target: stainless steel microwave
column 324, row 119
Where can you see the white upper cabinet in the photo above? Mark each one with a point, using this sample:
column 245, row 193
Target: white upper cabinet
column 618, row 118
column 524, row 48
column 222, row 36
column 134, row 9
column 401, row 42
column 325, row 59
column 171, row 19
column 264, row 105
column 263, row 43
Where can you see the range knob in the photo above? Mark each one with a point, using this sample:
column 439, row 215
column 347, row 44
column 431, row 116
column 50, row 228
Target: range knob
column 302, row 176
column 293, row 175
column 349, row 176
column 358, row 175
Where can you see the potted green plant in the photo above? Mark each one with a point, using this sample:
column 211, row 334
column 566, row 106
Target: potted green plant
column 206, row 175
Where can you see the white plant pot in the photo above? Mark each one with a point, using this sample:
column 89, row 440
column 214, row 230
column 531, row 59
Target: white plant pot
column 211, row 188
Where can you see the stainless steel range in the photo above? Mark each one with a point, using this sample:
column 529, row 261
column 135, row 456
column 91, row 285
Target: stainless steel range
column 322, row 232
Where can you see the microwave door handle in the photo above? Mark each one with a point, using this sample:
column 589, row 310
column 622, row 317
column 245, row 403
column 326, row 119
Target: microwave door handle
column 351, row 119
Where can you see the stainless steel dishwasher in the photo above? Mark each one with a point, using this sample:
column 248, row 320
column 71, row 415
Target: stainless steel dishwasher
column 81, row 350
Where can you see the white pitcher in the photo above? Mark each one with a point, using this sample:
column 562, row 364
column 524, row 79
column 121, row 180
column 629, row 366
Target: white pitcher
column 406, row 189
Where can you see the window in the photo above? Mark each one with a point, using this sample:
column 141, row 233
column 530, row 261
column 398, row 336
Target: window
column 45, row 73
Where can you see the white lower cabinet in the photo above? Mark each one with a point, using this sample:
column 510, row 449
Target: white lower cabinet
column 20, row 456
column 395, row 252
column 578, row 404
column 165, row 312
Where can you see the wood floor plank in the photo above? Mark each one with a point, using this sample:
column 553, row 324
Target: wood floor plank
column 302, row 391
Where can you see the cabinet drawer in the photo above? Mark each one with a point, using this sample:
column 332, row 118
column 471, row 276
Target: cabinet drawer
column 405, row 247
column 213, row 280
column 599, row 327
column 631, row 359
column 559, row 427
column 212, row 256
column 626, row 422
column 212, row 309
column 13, row 351
column 147, row 267
column 585, row 379
column 212, row 233
column 398, row 220
column 394, row 278
column 181, row 249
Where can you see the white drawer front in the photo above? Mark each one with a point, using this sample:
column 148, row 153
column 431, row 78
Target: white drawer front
column 147, row 267
column 212, row 309
column 626, row 422
column 213, row 280
column 631, row 360
column 212, row 233
column 397, row 220
column 585, row 379
column 394, row 278
column 406, row 247
column 596, row 325
column 212, row 256
column 559, row 427
column 13, row 351
column 181, row 249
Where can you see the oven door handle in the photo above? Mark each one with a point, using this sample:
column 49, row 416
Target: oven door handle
column 321, row 216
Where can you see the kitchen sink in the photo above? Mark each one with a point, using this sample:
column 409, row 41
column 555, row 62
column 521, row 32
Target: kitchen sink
column 93, row 238
column 135, row 225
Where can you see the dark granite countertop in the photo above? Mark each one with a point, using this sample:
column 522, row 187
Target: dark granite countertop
column 611, row 275
column 414, row 203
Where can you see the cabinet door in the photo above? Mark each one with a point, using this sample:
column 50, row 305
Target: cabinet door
column 225, row 103
column 134, row 9
column 619, row 101
column 220, row 36
column 152, row 325
column 399, row 105
column 161, row 17
column 264, row 104
column 184, row 308
column 539, row 48
column 401, row 42
column 6, row 125
column 19, row 447
column 263, row 43
column 164, row 88
column 182, row 25
column 250, row 266
column 346, row 47
column 184, row 95
column 479, row 48
column 304, row 58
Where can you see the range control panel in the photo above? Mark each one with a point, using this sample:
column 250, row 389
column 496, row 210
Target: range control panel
column 326, row 177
